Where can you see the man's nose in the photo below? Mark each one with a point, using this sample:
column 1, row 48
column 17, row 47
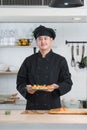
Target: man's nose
column 42, row 40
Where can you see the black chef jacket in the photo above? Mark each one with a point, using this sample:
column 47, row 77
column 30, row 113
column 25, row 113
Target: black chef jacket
column 44, row 71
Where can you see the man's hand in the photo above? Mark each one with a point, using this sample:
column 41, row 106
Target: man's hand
column 54, row 86
column 29, row 89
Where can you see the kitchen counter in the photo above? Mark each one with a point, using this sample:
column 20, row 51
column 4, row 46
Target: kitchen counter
column 16, row 116
column 17, row 120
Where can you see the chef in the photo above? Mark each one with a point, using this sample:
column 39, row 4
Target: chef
column 44, row 68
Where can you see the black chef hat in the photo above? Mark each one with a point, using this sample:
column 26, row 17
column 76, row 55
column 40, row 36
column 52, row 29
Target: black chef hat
column 44, row 31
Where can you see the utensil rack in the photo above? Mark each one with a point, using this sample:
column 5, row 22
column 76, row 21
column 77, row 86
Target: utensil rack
column 71, row 42
column 78, row 42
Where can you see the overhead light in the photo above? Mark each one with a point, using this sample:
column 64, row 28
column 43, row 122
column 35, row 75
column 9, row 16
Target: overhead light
column 66, row 3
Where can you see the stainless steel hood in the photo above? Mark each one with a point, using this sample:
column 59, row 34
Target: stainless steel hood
column 66, row 3
column 42, row 14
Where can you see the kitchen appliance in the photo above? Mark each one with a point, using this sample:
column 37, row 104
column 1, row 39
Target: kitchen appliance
column 84, row 103
column 66, row 3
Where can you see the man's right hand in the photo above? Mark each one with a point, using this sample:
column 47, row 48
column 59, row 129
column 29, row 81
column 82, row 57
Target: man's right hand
column 29, row 89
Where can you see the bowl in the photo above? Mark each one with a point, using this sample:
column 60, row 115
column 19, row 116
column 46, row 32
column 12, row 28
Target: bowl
column 13, row 68
column 71, row 103
column 3, row 67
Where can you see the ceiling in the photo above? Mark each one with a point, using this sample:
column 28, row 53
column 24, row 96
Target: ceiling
column 43, row 14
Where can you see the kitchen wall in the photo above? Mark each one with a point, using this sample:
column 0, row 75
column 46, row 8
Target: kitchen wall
column 15, row 56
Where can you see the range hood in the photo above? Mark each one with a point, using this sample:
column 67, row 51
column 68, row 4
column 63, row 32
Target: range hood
column 43, row 14
column 66, row 3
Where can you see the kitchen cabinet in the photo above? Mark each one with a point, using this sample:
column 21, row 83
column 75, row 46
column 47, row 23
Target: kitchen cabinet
column 42, row 126
column 43, row 14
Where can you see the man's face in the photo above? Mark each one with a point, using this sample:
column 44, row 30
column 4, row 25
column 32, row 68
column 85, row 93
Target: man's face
column 44, row 42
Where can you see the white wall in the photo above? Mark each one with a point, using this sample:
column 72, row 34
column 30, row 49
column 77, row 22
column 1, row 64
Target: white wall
column 64, row 31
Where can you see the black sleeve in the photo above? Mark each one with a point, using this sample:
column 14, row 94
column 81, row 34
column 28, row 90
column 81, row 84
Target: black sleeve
column 65, row 82
column 22, row 80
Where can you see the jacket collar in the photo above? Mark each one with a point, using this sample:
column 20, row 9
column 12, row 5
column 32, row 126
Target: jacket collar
column 47, row 55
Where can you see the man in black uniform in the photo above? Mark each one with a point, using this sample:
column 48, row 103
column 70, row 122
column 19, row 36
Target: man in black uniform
column 44, row 68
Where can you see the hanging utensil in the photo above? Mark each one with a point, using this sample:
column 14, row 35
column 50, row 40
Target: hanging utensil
column 77, row 50
column 77, row 57
column 81, row 65
column 83, row 51
column 77, row 53
column 72, row 57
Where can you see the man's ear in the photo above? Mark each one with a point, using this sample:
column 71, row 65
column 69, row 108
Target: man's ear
column 51, row 39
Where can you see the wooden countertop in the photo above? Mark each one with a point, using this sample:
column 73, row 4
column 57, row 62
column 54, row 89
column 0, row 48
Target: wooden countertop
column 16, row 116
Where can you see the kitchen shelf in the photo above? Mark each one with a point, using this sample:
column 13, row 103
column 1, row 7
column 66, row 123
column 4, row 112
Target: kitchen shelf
column 10, row 46
column 8, row 72
column 16, row 46
column 71, row 42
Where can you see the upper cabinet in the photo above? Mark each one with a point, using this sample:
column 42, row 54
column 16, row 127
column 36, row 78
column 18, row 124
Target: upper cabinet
column 39, row 11
column 42, row 14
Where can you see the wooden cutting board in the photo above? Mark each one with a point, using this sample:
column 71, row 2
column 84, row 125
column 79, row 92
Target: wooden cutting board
column 68, row 111
column 57, row 111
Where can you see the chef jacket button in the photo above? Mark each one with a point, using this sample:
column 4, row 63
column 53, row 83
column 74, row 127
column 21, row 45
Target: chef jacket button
column 38, row 68
column 37, row 94
column 47, row 59
column 45, row 95
column 45, row 104
column 39, row 58
column 47, row 67
column 46, row 76
column 38, row 76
